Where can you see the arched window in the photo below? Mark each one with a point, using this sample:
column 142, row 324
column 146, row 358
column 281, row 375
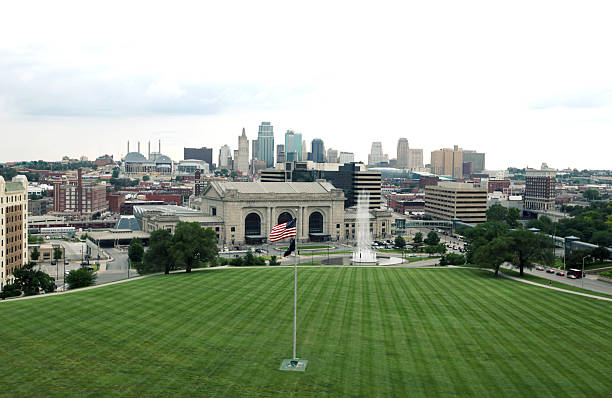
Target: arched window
column 252, row 224
column 284, row 217
column 315, row 223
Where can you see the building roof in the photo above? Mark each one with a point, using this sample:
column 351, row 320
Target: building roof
column 165, row 209
column 135, row 157
column 14, row 187
column 273, row 187
column 127, row 222
column 163, row 159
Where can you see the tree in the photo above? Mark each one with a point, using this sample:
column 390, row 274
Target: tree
column 57, row 253
column 497, row 212
column 512, row 217
column 146, row 178
column 494, row 253
column 191, row 244
column 35, row 255
column 136, row 251
column 432, row 238
column 81, row 277
column 600, row 253
column 418, row 238
column 274, row 261
column 115, row 172
column 528, row 247
column 400, row 242
column 591, row 194
column 158, row 258
column 31, row 281
column 481, row 235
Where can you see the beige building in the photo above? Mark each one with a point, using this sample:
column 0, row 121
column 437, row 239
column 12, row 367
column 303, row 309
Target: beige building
column 249, row 210
column 13, row 227
column 447, row 161
column 449, row 200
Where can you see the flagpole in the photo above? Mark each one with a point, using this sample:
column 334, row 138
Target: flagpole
column 295, row 291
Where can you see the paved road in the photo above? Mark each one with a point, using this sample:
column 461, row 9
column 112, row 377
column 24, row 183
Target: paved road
column 589, row 283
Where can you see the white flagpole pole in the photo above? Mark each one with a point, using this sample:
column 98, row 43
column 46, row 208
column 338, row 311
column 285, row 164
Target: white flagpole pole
column 295, row 292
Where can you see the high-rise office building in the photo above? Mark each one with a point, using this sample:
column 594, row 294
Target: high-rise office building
column 540, row 189
column 376, row 156
column 477, row 159
column 346, row 157
column 203, row 153
column 304, row 151
column 415, row 158
column 13, row 227
column 402, row 153
column 280, row 154
column 318, row 151
column 225, row 157
column 448, row 161
column 450, row 200
column 293, row 146
column 241, row 161
column 332, row 155
column 265, row 143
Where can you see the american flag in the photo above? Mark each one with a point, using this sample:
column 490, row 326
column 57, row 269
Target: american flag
column 284, row 230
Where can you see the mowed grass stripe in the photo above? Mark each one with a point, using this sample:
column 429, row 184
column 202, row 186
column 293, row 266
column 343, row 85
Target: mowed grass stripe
column 223, row 333
column 445, row 311
column 474, row 297
column 527, row 343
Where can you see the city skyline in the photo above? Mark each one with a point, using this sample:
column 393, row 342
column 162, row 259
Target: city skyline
column 461, row 76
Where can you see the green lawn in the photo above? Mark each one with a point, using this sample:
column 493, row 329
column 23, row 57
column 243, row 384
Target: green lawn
column 365, row 331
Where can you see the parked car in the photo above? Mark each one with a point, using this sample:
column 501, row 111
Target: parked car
column 539, row 268
column 550, row 271
column 53, row 262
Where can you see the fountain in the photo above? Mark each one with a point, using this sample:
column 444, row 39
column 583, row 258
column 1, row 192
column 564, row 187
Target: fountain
column 364, row 252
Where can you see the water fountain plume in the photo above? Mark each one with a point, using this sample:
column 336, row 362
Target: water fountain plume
column 364, row 252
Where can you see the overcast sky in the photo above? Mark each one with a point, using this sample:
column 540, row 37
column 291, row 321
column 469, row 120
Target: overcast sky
column 526, row 82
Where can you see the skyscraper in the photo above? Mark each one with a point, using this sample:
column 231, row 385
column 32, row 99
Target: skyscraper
column 448, row 161
column 376, row 155
column 415, row 158
column 293, row 145
column 318, row 151
column 225, row 157
column 477, row 159
column 346, row 157
column 332, row 155
column 203, row 153
column 280, row 153
column 242, row 160
column 402, row 153
column 265, row 143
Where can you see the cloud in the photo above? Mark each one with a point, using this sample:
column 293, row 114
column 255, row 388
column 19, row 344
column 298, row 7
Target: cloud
column 35, row 88
column 584, row 99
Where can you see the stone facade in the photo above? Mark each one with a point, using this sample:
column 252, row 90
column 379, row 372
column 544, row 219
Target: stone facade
column 264, row 203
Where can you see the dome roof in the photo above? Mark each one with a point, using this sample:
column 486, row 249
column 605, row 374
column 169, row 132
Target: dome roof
column 134, row 157
column 163, row 159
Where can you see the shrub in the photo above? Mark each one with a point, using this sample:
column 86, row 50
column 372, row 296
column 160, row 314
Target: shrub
column 452, row 259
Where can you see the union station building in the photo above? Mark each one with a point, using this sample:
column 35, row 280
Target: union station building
column 250, row 210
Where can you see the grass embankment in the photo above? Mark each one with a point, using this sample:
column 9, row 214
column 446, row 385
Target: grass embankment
column 365, row 331
column 544, row 281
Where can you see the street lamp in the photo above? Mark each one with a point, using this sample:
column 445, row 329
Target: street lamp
column 582, row 275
